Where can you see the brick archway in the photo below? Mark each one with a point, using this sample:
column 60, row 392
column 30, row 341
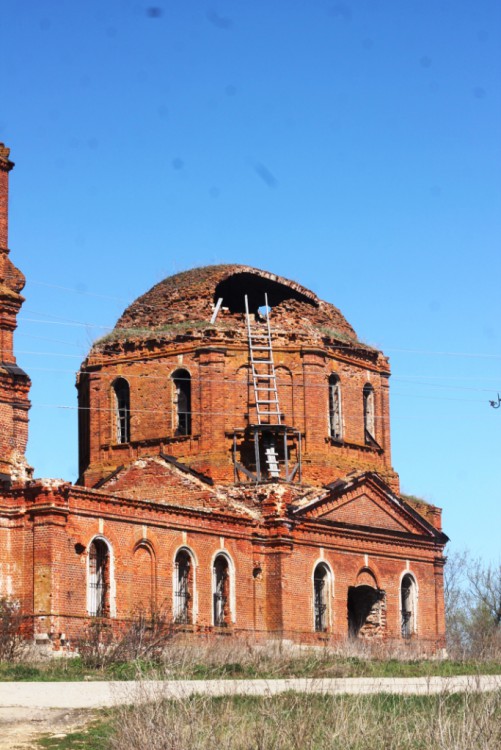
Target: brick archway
column 366, row 607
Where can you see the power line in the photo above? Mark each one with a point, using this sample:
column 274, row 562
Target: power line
column 81, row 292
column 49, row 354
column 151, row 305
column 65, row 323
column 46, row 338
column 205, row 413
column 282, row 383
column 422, row 352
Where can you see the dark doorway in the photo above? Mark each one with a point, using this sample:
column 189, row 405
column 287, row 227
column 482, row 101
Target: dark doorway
column 364, row 609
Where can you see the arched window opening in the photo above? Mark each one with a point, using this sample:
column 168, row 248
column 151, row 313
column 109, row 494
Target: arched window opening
column 83, row 386
column 221, row 592
column 183, row 589
column 321, row 598
column 122, row 410
column 408, row 606
column 335, row 422
column 182, row 402
column 369, row 418
column 99, row 579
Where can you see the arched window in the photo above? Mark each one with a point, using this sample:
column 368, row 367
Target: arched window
column 182, row 402
column 369, row 419
column 408, row 605
column 335, row 422
column 99, row 579
column 321, row 594
column 183, row 588
column 122, row 410
column 221, row 592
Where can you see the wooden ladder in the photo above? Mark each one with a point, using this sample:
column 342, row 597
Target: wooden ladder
column 263, row 371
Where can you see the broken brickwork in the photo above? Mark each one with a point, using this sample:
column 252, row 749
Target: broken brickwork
column 169, row 327
column 188, row 503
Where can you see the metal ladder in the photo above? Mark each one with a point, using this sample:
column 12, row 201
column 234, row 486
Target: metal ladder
column 265, row 387
column 263, row 371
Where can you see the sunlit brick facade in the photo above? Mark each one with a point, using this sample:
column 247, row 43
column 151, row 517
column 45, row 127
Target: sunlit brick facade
column 233, row 498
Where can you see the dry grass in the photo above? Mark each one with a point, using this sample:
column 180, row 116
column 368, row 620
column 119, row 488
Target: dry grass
column 235, row 657
column 312, row 722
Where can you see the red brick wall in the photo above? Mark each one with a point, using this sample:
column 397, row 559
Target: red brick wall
column 272, row 566
column 5, row 166
column 222, row 399
column 14, row 383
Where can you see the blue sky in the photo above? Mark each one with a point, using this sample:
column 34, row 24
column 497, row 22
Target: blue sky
column 352, row 146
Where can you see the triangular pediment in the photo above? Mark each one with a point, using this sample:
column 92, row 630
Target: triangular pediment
column 166, row 481
column 365, row 510
column 364, row 503
column 155, row 479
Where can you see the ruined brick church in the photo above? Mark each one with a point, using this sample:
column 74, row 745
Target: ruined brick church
column 235, row 471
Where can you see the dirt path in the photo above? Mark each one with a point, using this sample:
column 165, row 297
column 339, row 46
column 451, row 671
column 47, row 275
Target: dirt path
column 101, row 694
column 20, row 727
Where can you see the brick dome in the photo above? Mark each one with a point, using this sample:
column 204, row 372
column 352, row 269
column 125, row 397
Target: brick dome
column 190, row 297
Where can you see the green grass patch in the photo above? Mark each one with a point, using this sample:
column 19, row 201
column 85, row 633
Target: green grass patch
column 94, row 737
column 73, row 670
column 255, row 666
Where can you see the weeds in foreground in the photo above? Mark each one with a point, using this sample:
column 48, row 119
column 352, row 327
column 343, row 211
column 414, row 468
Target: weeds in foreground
column 235, row 658
column 296, row 721
column 299, row 722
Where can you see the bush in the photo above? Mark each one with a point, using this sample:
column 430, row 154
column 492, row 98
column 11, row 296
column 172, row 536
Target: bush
column 473, row 607
column 11, row 642
column 145, row 637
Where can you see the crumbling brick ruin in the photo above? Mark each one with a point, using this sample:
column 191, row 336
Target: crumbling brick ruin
column 235, row 471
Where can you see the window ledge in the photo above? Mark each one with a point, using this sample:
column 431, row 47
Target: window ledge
column 180, row 627
column 150, row 441
column 223, row 629
column 336, row 441
column 358, row 446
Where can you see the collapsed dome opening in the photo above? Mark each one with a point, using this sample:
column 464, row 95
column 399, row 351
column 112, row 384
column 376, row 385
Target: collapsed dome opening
column 234, row 288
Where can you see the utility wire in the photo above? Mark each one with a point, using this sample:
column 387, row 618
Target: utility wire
column 423, row 352
column 152, row 305
column 281, row 383
column 63, row 322
column 80, row 292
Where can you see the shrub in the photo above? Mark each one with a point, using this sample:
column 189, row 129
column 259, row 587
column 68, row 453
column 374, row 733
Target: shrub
column 11, row 643
column 145, row 637
column 473, row 607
